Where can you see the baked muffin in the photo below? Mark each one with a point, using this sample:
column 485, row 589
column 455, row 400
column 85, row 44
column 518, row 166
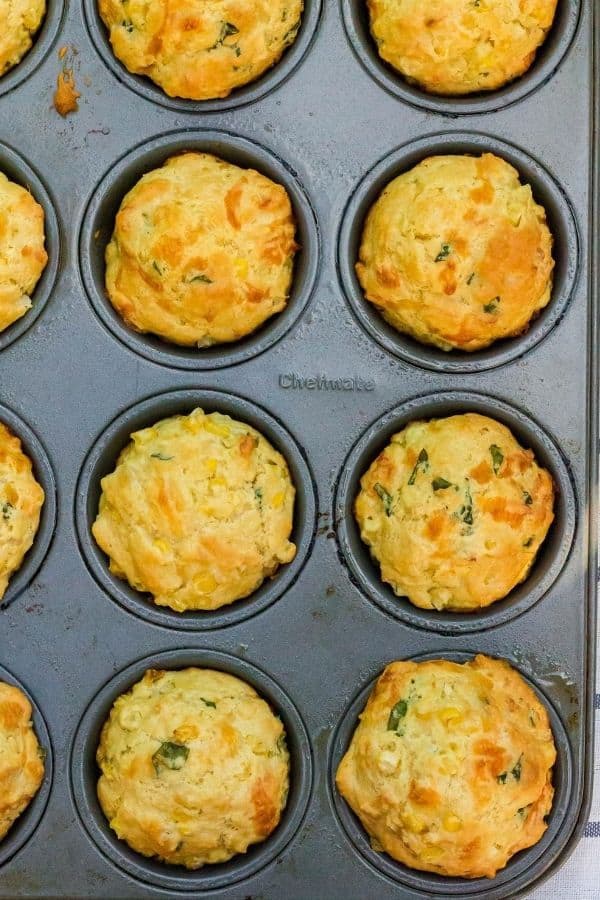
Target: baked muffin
column 22, row 254
column 454, row 512
column 202, row 252
column 450, row 768
column 194, row 767
column 198, row 511
column 202, row 49
column 457, row 253
column 460, row 46
column 19, row 21
column 21, row 501
column 21, row 757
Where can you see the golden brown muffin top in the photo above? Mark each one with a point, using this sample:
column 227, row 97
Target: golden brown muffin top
column 460, row 46
column 19, row 21
column 201, row 49
column 198, row 511
column 194, row 767
column 202, row 252
column 21, row 501
column 454, row 511
column 450, row 768
column 22, row 254
column 21, row 758
column 457, row 253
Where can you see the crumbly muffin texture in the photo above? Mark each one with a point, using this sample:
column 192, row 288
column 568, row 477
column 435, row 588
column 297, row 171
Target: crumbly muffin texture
column 201, row 49
column 457, row 253
column 19, row 22
column 460, row 46
column 23, row 256
column 194, row 767
column 198, row 511
column 21, row 757
column 450, row 768
column 21, row 501
column 454, row 512
column 202, row 251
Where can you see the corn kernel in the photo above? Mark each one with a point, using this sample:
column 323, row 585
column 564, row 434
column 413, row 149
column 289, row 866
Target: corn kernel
column 450, row 715
column 211, row 466
column 193, row 425
column 414, row 823
column 277, row 501
column 452, row 822
column 241, row 267
column 162, row 546
column 219, row 430
column 205, row 584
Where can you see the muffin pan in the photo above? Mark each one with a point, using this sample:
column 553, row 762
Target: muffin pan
column 327, row 383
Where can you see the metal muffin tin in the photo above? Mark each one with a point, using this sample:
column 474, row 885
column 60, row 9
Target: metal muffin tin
column 327, row 382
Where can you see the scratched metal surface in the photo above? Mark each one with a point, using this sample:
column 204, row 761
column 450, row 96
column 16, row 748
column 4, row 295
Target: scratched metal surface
column 68, row 376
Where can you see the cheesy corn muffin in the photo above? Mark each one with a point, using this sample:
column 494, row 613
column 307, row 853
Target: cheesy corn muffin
column 21, row 757
column 450, row 768
column 21, row 501
column 19, row 21
column 201, row 49
column 460, row 46
column 23, row 257
column 198, row 511
column 202, row 252
column 457, row 253
column 194, row 767
column 454, row 512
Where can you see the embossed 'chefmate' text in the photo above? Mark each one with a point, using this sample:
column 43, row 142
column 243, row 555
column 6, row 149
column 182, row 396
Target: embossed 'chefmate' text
column 356, row 384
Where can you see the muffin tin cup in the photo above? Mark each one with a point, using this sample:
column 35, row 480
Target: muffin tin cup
column 552, row 555
column 84, row 775
column 509, row 881
column 548, row 59
column 43, row 473
column 98, row 226
column 561, row 221
column 242, row 96
column 102, row 460
column 16, row 169
column 43, row 43
column 24, row 827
